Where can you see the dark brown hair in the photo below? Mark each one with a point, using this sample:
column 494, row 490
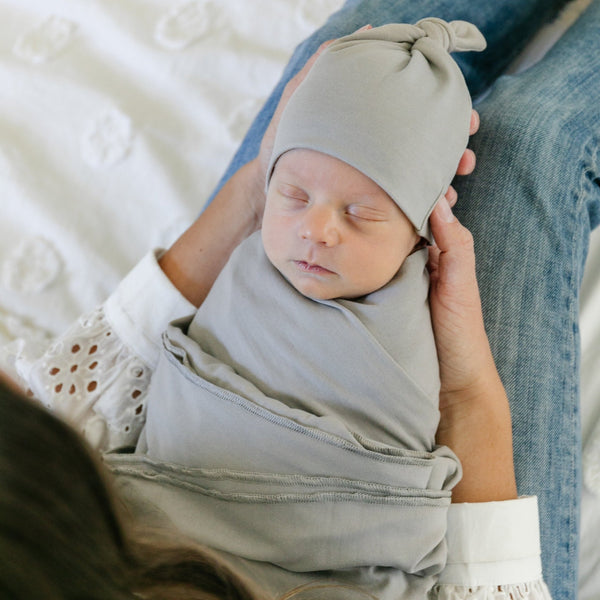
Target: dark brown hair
column 62, row 536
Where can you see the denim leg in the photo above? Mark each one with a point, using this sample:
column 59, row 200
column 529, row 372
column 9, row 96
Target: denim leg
column 506, row 24
column 530, row 205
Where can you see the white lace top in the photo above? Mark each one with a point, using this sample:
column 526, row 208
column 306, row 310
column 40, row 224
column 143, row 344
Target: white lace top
column 97, row 374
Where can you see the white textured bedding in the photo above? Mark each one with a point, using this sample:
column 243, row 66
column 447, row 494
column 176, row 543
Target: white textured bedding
column 117, row 119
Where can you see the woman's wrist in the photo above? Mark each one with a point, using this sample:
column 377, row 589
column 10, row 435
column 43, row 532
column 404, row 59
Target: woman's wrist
column 476, row 424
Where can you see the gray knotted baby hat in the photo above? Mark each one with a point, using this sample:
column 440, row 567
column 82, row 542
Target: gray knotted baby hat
column 392, row 103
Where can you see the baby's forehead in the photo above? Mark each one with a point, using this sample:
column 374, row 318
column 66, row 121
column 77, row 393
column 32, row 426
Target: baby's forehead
column 313, row 166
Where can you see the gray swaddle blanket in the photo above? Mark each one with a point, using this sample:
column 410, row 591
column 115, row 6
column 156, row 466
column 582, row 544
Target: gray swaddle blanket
column 323, row 413
column 301, row 433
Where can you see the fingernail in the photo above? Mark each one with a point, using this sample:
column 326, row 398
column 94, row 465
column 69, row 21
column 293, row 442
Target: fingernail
column 445, row 210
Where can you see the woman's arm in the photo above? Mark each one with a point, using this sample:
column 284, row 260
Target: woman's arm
column 493, row 538
column 475, row 417
column 197, row 257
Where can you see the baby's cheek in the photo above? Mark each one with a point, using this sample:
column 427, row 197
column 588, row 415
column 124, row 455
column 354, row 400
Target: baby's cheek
column 271, row 242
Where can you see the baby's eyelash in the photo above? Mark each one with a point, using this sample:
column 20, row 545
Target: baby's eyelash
column 297, row 199
column 292, row 195
column 365, row 213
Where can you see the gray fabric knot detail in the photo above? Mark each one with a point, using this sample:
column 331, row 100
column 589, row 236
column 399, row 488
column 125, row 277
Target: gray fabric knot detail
column 455, row 36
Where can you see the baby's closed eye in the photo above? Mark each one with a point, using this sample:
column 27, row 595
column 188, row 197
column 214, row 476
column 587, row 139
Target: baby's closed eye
column 293, row 192
column 366, row 213
column 292, row 197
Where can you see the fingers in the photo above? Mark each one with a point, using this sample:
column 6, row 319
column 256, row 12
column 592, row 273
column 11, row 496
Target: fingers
column 266, row 146
column 311, row 61
column 447, row 230
column 474, row 126
column 322, row 47
column 451, row 196
column 299, row 77
column 442, row 213
column 466, row 165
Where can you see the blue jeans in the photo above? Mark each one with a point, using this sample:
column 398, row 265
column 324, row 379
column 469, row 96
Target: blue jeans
column 530, row 205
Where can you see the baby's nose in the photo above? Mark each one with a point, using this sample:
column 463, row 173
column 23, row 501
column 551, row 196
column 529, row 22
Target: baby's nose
column 320, row 226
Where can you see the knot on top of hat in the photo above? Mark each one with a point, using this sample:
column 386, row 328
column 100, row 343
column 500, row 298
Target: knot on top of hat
column 453, row 36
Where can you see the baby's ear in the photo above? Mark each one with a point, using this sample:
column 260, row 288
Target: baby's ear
column 421, row 243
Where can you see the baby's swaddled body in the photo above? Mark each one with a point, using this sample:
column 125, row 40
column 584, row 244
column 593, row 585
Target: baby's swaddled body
column 313, row 420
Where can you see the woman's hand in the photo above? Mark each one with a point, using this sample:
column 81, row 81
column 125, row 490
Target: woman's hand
column 475, row 416
column 463, row 347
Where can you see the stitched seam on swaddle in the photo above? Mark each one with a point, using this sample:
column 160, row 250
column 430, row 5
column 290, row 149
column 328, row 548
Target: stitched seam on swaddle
column 165, row 473
column 399, row 455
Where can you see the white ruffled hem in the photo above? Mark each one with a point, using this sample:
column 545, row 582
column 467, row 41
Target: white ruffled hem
column 535, row 590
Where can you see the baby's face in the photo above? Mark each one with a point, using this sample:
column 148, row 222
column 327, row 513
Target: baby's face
column 330, row 230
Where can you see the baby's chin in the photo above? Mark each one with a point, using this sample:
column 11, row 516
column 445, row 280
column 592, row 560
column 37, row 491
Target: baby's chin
column 307, row 292
column 312, row 294
column 323, row 294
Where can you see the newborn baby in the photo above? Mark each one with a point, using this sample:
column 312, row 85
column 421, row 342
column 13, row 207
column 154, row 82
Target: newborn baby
column 309, row 374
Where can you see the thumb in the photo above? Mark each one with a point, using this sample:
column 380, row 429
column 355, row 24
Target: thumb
column 455, row 255
column 454, row 301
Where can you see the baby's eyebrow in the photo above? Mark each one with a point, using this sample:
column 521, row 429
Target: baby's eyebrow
column 371, row 200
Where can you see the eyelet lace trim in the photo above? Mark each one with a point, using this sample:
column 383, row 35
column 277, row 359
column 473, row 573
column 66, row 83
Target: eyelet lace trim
column 535, row 590
column 95, row 382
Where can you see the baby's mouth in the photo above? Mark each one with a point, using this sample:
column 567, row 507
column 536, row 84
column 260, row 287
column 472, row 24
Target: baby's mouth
column 307, row 267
